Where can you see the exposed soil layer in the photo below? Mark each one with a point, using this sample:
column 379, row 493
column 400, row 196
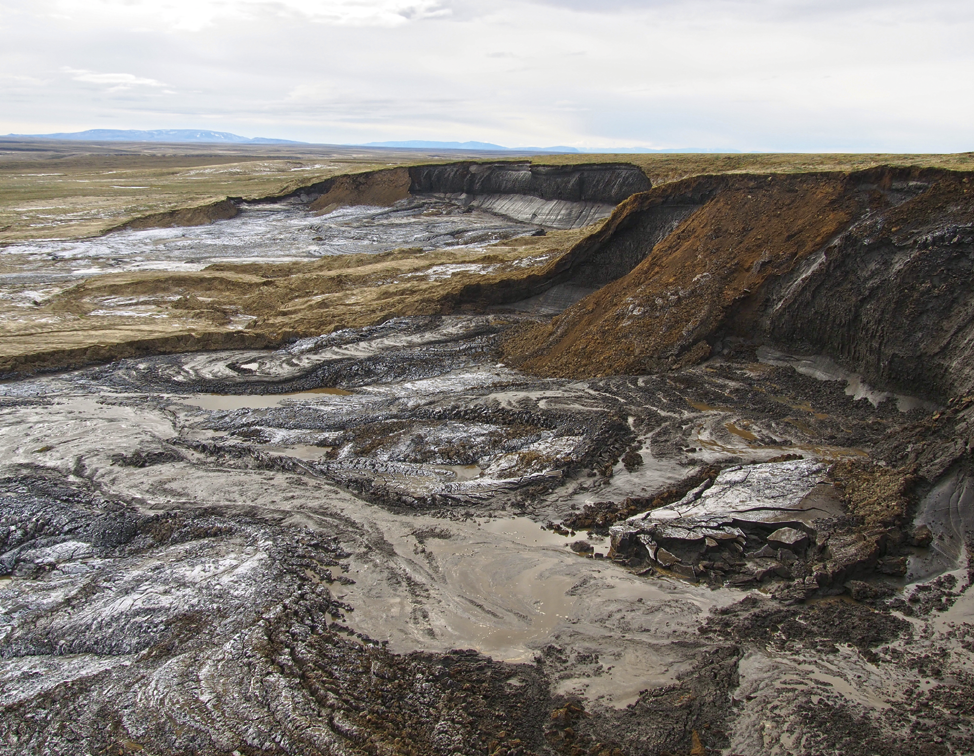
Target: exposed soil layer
column 192, row 216
column 602, row 183
column 382, row 188
column 870, row 268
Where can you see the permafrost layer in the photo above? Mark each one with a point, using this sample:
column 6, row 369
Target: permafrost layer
column 281, row 551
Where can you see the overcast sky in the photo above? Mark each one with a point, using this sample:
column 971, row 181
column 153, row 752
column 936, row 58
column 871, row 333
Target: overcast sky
column 804, row 75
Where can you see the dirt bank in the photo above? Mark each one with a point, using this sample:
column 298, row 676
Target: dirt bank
column 189, row 216
column 870, row 268
column 380, row 188
column 823, row 263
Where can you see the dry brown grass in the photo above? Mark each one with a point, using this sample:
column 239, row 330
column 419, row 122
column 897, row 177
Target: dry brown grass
column 286, row 300
column 667, row 167
column 70, row 190
column 65, row 191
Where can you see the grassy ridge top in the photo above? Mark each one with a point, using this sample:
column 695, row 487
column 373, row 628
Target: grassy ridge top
column 666, row 167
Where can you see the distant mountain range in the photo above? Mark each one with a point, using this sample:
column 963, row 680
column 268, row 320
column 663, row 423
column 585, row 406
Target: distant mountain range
column 180, row 136
column 198, row 136
column 488, row 147
column 418, row 144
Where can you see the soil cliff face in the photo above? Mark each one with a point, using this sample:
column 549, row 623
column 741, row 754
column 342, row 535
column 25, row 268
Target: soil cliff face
column 604, row 183
column 563, row 196
column 381, row 188
column 190, row 216
column 871, row 268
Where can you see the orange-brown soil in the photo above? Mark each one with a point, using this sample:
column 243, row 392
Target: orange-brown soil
column 380, row 188
column 734, row 267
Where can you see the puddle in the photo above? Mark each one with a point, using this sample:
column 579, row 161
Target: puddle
column 217, row 402
column 507, row 588
column 745, row 434
column 298, row 451
column 527, row 531
column 803, row 406
column 823, row 369
column 701, row 407
column 460, row 473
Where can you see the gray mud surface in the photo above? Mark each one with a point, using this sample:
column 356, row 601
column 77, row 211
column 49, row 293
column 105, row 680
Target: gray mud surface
column 382, row 541
column 282, row 231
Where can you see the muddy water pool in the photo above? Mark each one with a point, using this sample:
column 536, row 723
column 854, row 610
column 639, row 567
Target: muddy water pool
column 509, row 589
column 824, row 369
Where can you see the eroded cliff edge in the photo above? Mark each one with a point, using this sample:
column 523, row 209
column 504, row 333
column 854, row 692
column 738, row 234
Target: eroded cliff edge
column 870, row 268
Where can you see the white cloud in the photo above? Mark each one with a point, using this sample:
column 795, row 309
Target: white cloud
column 197, row 15
column 117, row 81
column 884, row 75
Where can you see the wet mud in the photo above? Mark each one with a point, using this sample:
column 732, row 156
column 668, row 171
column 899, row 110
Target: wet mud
column 175, row 552
column 393, row 538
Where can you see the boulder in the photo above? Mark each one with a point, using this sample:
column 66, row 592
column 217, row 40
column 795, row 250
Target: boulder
column 788, row 538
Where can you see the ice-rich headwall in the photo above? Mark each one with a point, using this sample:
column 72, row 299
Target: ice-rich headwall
column 600, row 183
column 556, row 196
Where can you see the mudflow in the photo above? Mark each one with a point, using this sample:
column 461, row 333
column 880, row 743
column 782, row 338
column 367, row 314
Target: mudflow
column 496, row 459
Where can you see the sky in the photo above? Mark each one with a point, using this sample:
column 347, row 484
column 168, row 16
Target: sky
column 752, row 75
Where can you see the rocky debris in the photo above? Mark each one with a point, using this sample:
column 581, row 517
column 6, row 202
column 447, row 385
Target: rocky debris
column 922, row 537
column 861, row 642
column 763, row 621
column 794, row 523
column 788, row 538
column 147, row 458
column 732, row 528
column 937, row 595
column 600, row 515
column 688, row 716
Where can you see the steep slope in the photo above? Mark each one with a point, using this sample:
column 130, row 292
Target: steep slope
column 871, row 268
column 554, row 196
